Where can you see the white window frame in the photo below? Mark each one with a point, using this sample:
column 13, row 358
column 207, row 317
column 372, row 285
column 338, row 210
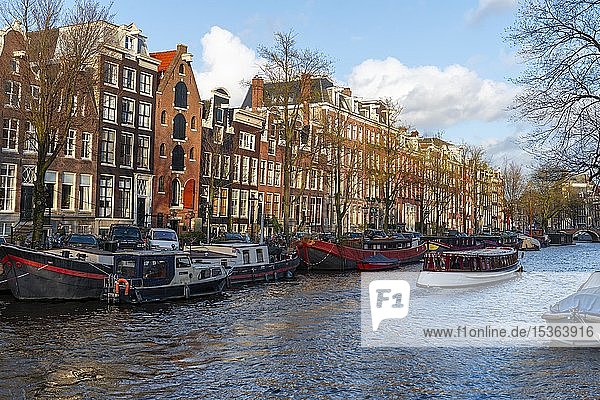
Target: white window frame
column 235, row 199
column 130, row 113
column 71, row 183
column 86, row 145
column 111, row 74
column 108, row 196
column 85, row 192
column 12, row 90
column 145, row 86
column 10, row 134
column 123, row 161
column 125, row 201
column 8, row 186
column 132, row 80
column 145, row 116
column 109, row 107
column 143, row 152
column 70, row 143
column 54, row 181
column 109, row 149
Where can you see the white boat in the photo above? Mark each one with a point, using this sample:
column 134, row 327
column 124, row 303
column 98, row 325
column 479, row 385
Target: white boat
column 247, row 262
column 580, row 312
column 455, row 269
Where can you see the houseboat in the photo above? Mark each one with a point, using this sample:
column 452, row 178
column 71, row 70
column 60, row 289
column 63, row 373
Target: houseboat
column 246, row 262
column 454, row 269
column 123, row 276
column 452, row 242
column 345, row 256
column 539, row 235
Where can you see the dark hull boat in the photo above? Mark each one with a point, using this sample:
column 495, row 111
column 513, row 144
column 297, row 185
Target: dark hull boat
column 126, row 277
column 326, row 256
column 378, row 262
column 454, row 243
column 246, row 262
column 43, row 275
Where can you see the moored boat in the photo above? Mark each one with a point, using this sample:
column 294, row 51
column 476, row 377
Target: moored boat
column 560, row 239
column 452, row 242
column 378, row 262
column 246, row 262
column 527, row 243
column 327, row 256
column 123, row 276
column 469, row 268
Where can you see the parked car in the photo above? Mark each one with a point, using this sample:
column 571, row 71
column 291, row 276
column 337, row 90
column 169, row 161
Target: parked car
column 81, row 240
column 162, row 238
column 124, row 237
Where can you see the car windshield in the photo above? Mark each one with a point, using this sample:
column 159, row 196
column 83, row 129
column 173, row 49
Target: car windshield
column 127, row 232
column 164, row 235
column 82, row 239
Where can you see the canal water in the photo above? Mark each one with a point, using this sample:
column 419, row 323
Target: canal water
column 298, row 339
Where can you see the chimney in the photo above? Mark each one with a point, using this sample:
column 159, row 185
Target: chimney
column 347, row 92
column 257, row 93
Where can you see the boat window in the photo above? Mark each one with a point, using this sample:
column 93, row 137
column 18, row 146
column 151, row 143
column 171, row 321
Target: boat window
column 154, row 269
column 126, row 268
column 183, row 262
column 246, row 255
column 259, row 255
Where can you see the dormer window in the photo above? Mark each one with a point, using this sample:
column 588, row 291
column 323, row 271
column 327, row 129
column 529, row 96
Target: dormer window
column 129, row 42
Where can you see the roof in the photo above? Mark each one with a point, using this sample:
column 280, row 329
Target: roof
column 165, row 58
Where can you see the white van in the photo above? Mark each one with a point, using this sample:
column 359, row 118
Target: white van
column 162, row 238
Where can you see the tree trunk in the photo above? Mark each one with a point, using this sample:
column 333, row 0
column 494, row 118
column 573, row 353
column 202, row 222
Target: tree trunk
column 39, row 209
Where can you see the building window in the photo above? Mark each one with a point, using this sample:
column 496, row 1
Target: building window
column 161, row 150
column 177, row 159
column 244, row 204
column 270, row 167
column 235, row 195
column 70, row 144
column 125, row 195
column 216, row 167
column 144, row 115
column 181, row 69
column 8, row 186
column 106, row 196
column 35, row 96
column 107, row 147
column 192, row 154
column 128, row 79
column 276, row 205
column 109, row 108
column 161, row 184
column 111, row 72
column 223, row 202
column 127, row 111
column 247, row 141
column 126, row 158
column 245, row 169
column 14, row 65
column 235, row 168
column 180, row 95
column 277, row 180
column 86, row 145
column 254, row 171
column 271, row 149
column 50, row 183
column 175, row 193
column 143, row 158
column 30, row 144
column 206, row 164
column 163, row 117
column 12, row 90
column 226, row 167
column 67, row 198
column 85, row 192
column 263, row 172
column 179, row 127
column 193, row 123
column 28, row 175
column 146, row 84
column 10, row 132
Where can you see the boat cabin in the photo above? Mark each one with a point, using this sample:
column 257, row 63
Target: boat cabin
column 473, row 260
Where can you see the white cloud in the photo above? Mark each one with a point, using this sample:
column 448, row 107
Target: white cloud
column 227, row 62
column 509, row 149
column 433, row 98
column 486, row 8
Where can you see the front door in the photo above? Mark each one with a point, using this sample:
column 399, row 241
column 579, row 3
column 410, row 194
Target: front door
column 26, row 203
column 141, row 211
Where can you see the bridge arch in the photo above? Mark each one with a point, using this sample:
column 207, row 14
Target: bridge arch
column 593, row 234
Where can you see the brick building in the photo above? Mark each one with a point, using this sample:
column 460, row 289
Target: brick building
column 178, row 135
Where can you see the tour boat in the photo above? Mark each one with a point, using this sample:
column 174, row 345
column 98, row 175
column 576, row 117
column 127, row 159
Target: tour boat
column 123, row 276
column 454, row 269
column 327, row 256
column 246, row 262
column 378, row 262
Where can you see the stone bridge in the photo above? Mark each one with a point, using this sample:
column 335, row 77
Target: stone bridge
column 594, row 233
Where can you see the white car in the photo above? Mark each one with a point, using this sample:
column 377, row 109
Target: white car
column 163, row 238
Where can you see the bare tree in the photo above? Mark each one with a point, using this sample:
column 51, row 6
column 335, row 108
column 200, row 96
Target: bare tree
column 514, row 187
column 290, row 71
column 559, row 41
column 59, row 51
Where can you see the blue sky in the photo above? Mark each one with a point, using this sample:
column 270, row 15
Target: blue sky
column 446, row 61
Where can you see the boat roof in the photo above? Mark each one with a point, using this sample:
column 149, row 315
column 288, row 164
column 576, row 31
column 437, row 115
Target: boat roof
column 485, row 252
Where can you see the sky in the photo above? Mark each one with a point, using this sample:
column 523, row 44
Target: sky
column 446, row 62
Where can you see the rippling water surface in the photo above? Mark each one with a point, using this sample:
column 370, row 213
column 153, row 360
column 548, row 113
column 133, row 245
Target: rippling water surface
column 298, row 339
